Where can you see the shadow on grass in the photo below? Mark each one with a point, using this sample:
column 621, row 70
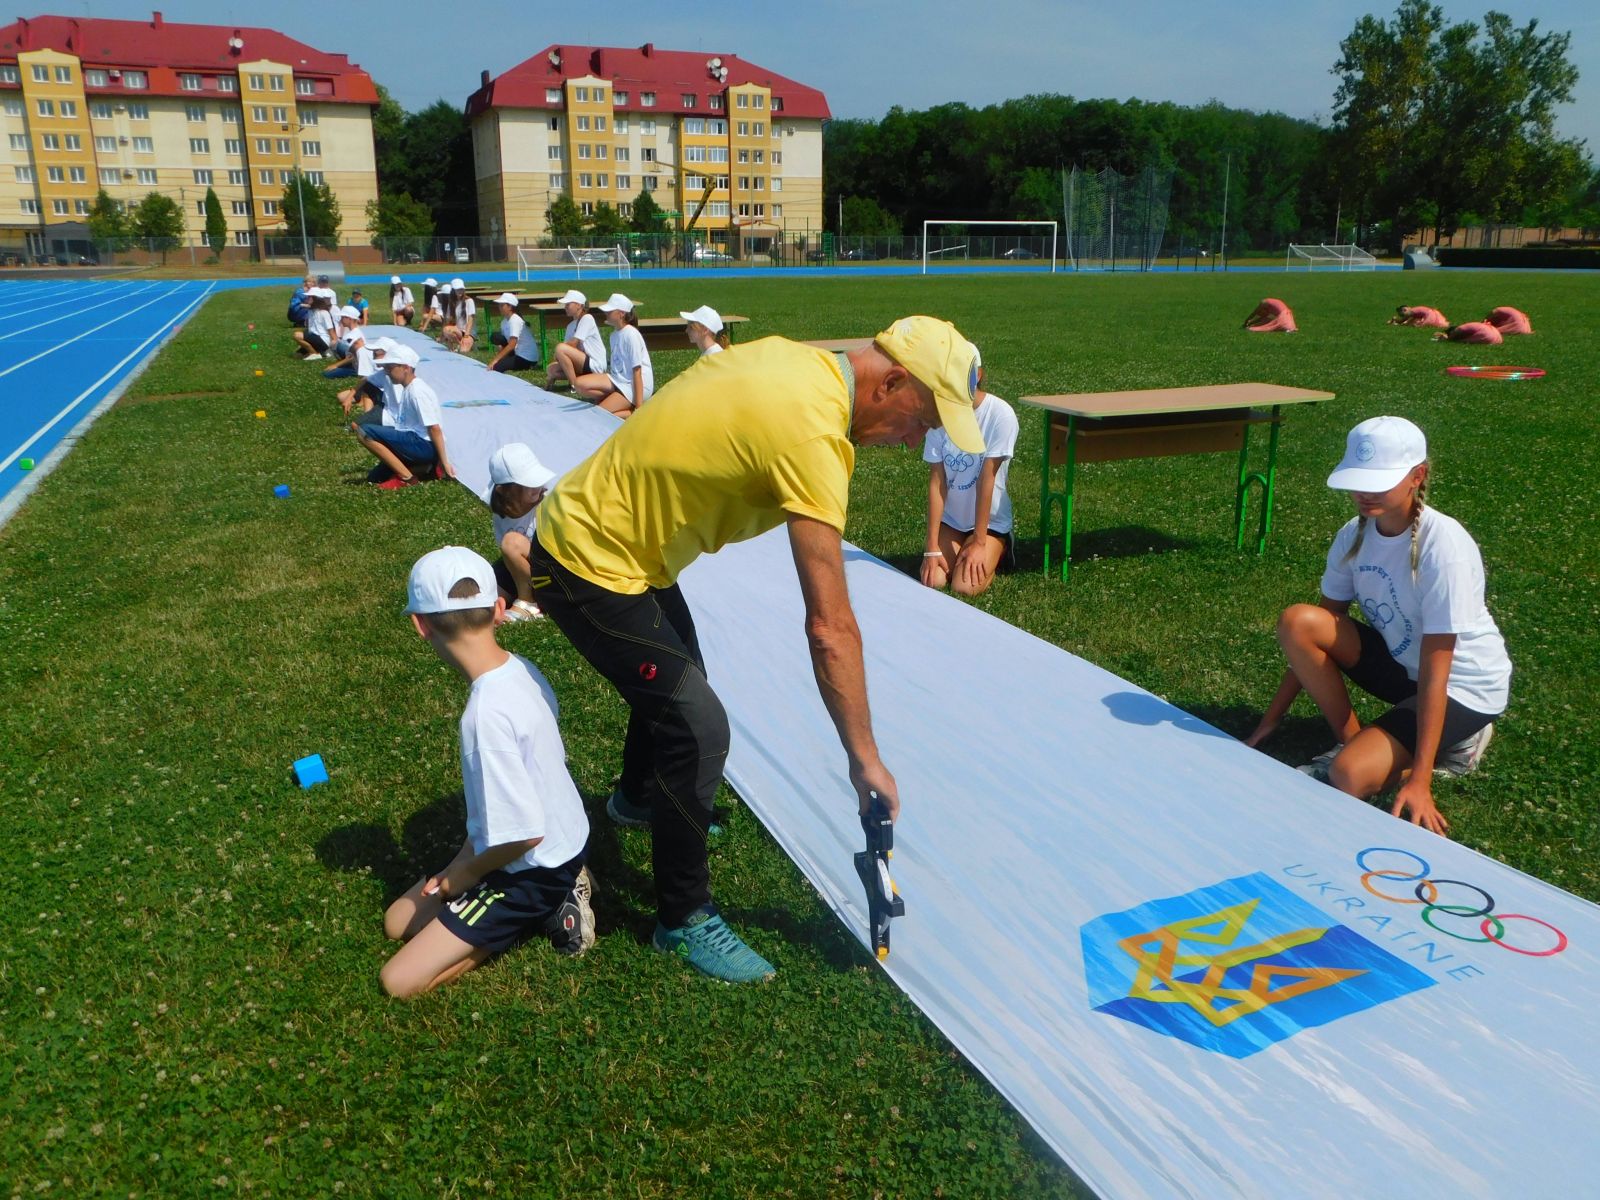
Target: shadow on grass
column 833, row 944
column 1117, row 541
column 429, row 840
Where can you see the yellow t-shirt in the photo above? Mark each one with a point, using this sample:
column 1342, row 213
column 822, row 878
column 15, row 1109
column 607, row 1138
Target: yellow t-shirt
column 722, row 453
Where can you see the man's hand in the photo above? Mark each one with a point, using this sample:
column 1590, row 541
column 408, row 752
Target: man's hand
column 875, row 777
column 1416, row 798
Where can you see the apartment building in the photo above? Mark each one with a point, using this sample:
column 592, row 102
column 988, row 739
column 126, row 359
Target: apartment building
column 725, row 145
column 139, row 106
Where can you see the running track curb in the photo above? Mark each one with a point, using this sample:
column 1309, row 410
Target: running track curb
column 17, row 496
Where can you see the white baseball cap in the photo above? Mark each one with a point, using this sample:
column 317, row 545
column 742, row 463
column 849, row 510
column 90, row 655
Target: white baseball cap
column 394, row 279
column 430, row 281
column 400, row 355
column 351, row 311
column 705, row 315
column 436, row 574
column 517, row 463
column 574, row 296
column 617, row 303
column 1378, row 454
column 381, row 345
column 458, row 283
column 445, row 287
column 506, row 298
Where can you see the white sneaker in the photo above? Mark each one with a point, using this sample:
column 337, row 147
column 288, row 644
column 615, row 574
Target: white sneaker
column 523, row 610
column 572, row 928
column 1319, row 766
column 1463, row 758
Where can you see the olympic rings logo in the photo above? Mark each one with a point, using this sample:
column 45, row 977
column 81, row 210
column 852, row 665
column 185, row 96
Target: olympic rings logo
column 1427, row 893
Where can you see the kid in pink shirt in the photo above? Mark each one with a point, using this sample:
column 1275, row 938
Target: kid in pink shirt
column 1270, row 316
column 1419, row 316
column 1509, row 321
column 1473, row 333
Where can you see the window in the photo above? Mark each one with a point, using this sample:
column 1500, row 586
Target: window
column 694, row 154
column 263, row 145
column 758, row 101
column 59, row 207
column 280, row 114
column 648, row 154
column 203, row 177
column 233, row 146
column 23, row 174
column 285, row 145
column 77, row 175
column 50, row 141
column 47, row 108
column 622, row 154
column 777, row 211
column 777, row 106
column 600, row 124
column 99, row 110
column 241, row 208
column 759, row 129
column 139, row 112
column 583, row 150
column 689, row 99
column 80, row 208
column 8, row 75
column 759, row 183
column 588, row 208
column 195, row 112
column 69, row 108
column 619, row 97
column 742, row 101
column 717, row 208
column 31, row 207
column 648, row 126
column 269, row 208
column 275, row 83
column 582, row 94
column 600, row 95
column 744, row 183
column 555, row 124
column 285, row 176
column 74, row 142
column 624, row 183
column 761, row 155
column 647, row 99
column 137, row 80
column 602, row 181
column 744, row 128
column 777, row 183
column 258, row 113
column 744, row 156
column 200, row 206
column 227, row 83
column 41, row 74
column 585, row 180
column 189, row 83
column 199, row 145
column 95, row 78
column 311, row 149
column 558, row 181
column 242, row 237
column 314, row 177
column 583, row 123
column 695, row 183
column 147, row 175
column 744, row 210
column 258, row 83
column 552, row 95
column 624, row 209
column 231, row 115
column 600, row 151
column 14, row 108
column 105, row 145
column 553, row 152
column 310, row 116
column 305, row 87
column 694, row 125
column 649, row 182
column 19, row 141
column 622, row 125
column 63, row 74
column 719, row 154
column 264, row 176
column 714, row 101
column 239, row 178
column 55, row 175
column 717, row 126
column 777, row 157
column 722, row 182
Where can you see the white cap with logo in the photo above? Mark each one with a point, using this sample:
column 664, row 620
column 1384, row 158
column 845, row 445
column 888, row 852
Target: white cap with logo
column 351, row 312
column 574, row 296
column 1378, row 454
column 617, row 303
column 506, row 298
column 458, row 283
column 516, row 462
column 705, row 315
column 394, row 279
column 436, row 575
column 400, row 355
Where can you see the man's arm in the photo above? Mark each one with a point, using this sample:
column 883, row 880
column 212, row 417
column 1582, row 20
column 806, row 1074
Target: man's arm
column 835, row 642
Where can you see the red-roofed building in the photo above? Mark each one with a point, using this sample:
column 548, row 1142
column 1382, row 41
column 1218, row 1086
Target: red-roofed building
column 722, row 142
column 133, row 107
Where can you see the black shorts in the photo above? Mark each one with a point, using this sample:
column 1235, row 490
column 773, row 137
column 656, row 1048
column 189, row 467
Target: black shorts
column 1380, row 674
column 514, row 362
column 506, row 908
column 316, row 342
column 502, row 577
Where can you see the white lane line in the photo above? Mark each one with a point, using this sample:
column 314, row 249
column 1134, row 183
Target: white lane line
column 26, row 295
column 121, row 294
column 85, row 333
column 111, row 374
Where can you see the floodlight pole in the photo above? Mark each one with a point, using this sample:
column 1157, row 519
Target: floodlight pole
column 1227, row 177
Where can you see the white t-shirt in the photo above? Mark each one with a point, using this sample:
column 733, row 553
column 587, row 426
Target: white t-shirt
column 416, row 407
column 406, row 300
column 358, row 346
column 467, row 316
column 320, row 322
column 586, row 333
column 525, row 524
column 714, row 348
column 1447, row 597
column 627, row 352
column 520, row 337
column 514, row 770
column 436, row 306
column 379, row 379
column 997, row 421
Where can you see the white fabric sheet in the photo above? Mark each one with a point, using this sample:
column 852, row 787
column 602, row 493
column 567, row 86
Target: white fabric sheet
column 1045, row 798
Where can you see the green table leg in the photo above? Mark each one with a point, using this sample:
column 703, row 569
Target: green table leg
column 1067, row 502
column 1049, row 500
column 1267, row 480
column 544, row 353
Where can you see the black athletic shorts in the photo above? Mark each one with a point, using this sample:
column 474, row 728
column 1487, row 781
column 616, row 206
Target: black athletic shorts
column 316, row 342
column 1379, row 673
column 506, row 908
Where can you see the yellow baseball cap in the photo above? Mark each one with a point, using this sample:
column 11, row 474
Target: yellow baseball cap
column 935, row 353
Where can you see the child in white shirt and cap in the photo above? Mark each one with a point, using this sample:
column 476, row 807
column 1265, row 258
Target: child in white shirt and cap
column 357, row 359
column 705, row 330
column 517, row 482
column 520, row 873
column 581, row 351
column 519, row 346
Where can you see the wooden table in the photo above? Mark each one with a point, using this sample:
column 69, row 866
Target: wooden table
column 1155, row 423
column 660, row 333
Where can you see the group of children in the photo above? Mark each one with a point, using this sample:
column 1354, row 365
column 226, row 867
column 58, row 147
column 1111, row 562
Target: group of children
column 1274, row 316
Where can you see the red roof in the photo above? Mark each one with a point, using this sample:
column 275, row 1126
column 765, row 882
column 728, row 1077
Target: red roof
column 669, row 73
column 164, row 49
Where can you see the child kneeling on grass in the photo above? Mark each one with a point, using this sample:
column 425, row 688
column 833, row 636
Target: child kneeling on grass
column 411, row 448
column 520, row 872
column 1427, row 645
column 517, row 482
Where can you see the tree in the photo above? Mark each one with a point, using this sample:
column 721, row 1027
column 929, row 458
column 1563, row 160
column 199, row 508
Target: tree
column 216, row 225
column 400, row 225
column 388, row 143
column 565, row 218
column 321, row 207
column 865, row 217
column 107, row 222
column 605, row 222
column 648, row 216
column 158, row 221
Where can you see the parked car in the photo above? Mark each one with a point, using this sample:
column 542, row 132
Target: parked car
column 860, row 254
column 817, row 255
column 710, row 255
column 1019, row 252
column 463, row 255
column 642, row 257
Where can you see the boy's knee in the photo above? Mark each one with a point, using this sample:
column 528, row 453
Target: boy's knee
column 397, row 982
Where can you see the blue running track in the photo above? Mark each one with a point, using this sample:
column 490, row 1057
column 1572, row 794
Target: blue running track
column 66, row 345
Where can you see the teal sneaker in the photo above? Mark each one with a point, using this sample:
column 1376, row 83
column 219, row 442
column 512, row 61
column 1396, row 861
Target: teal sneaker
column 708, row 945
column 624, row 812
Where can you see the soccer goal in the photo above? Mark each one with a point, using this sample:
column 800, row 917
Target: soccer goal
column 596, row 260
column 961, row 244
column 1333, row 258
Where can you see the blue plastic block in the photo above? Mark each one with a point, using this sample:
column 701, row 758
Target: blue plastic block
column 309, row 771
column 281, row 491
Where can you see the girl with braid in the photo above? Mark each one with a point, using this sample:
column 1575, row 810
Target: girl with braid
column 1426, row 643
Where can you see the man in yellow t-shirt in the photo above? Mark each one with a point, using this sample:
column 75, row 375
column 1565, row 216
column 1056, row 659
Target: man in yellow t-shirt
column 761, row 435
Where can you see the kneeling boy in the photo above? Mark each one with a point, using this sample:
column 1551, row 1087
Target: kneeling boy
column 520, row 873
column 517, row 482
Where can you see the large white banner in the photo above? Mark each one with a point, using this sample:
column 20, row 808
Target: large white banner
column 1196, row 972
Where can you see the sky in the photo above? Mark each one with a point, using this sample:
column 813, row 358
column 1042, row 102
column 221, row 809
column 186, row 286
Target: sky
column 868, row 57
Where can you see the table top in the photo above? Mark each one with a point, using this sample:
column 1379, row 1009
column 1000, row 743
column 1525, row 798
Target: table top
column 1156, row 401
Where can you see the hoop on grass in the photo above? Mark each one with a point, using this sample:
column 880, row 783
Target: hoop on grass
column 1504, row 374
column 962, row 248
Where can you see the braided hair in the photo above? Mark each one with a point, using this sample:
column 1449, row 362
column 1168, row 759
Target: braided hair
column 1419, row 501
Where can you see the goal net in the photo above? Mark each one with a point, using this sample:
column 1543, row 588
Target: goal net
column 964, row 241
column 1115, row 220
column 574, row 260
column 1333, row 258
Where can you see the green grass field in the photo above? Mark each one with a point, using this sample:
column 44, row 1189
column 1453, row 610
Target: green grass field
column 188, row 969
